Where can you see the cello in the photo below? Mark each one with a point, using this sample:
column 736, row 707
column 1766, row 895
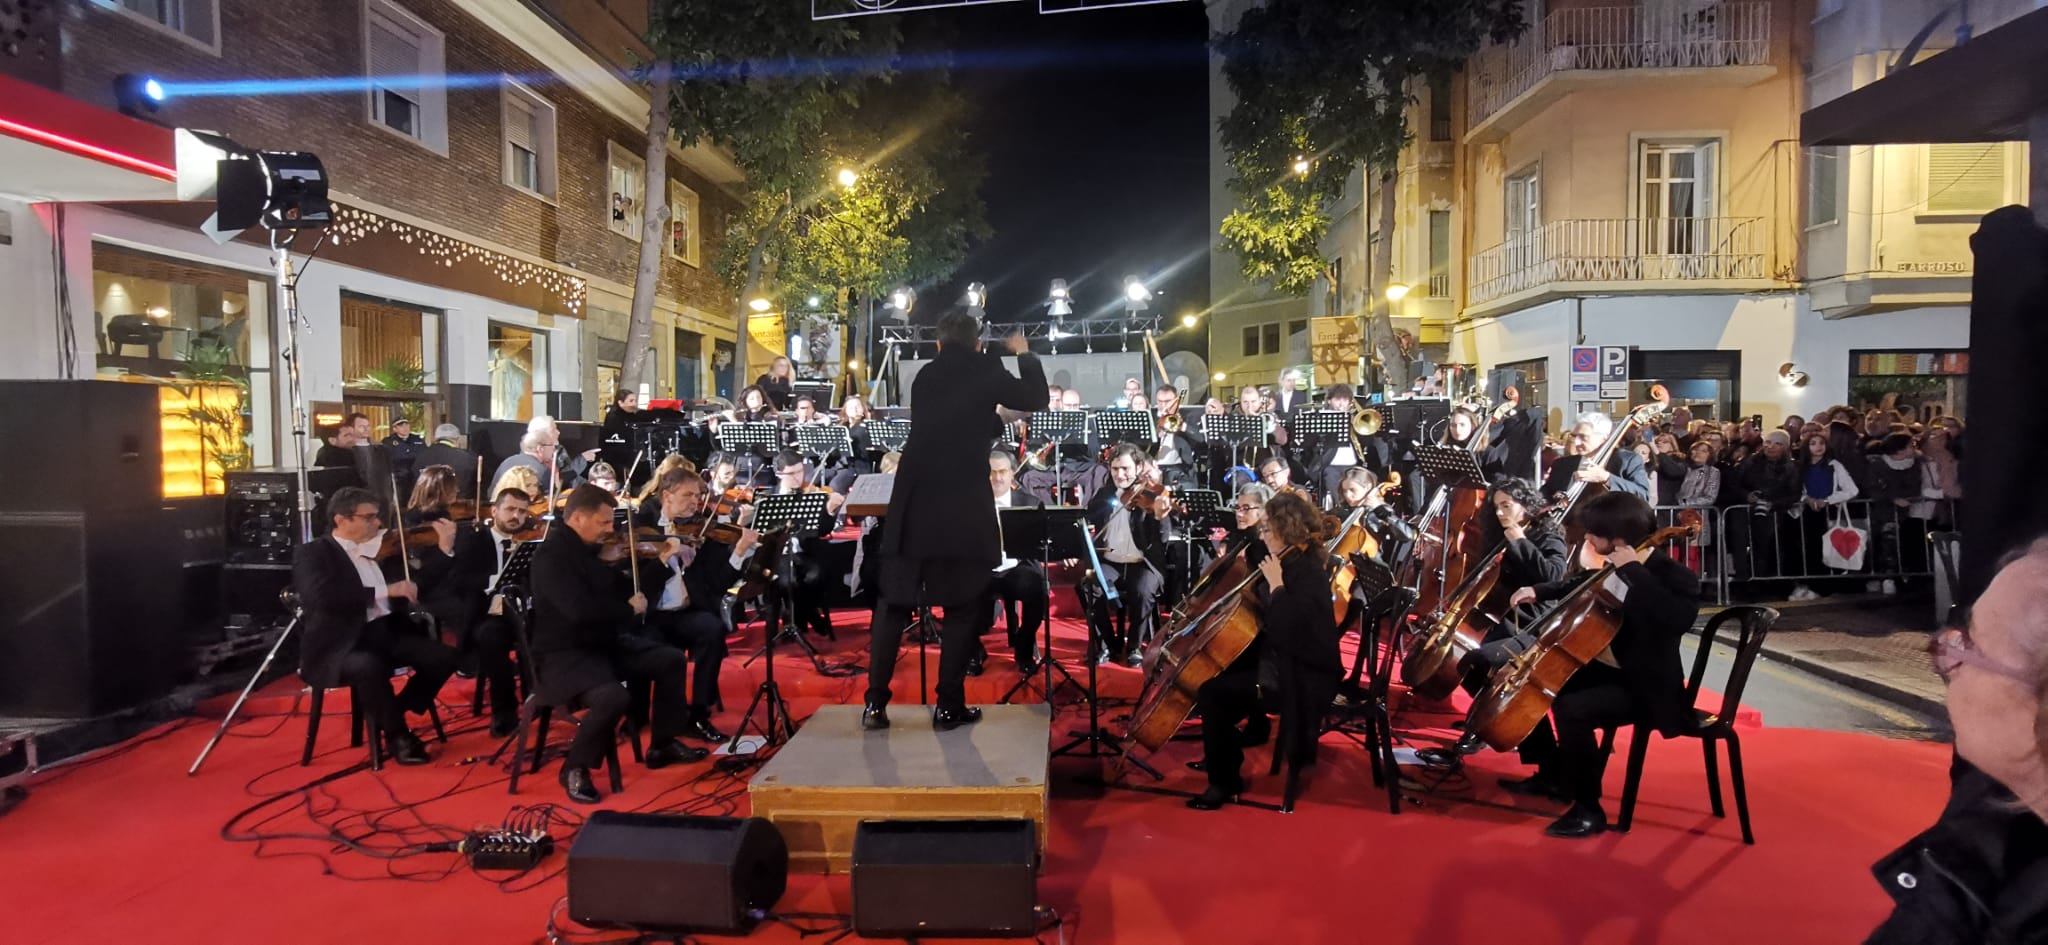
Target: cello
column 1575, row 632
column 1354, row 538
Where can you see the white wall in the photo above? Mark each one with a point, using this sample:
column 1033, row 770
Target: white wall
column 29, row 318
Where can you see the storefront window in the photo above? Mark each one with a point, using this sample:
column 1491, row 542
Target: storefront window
column 390, row 362
column 519, row 372
column 202, row 335
column 1920, row 385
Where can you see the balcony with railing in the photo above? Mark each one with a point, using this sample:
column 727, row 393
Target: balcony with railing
column 1622, row 256
column 1726, row 44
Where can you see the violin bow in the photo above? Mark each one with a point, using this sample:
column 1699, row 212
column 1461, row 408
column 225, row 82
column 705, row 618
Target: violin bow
column 478, row 516
column 398, row 524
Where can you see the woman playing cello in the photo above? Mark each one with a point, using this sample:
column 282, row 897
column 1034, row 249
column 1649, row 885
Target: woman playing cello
column 1292, row 665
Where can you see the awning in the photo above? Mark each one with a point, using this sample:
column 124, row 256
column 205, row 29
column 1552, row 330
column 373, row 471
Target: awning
column 57, row 148
column 1981, row 91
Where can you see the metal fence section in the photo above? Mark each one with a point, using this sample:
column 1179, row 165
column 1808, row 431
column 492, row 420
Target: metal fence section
column 1745, row 545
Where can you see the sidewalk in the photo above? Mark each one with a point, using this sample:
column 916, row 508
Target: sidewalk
column 1875, row 645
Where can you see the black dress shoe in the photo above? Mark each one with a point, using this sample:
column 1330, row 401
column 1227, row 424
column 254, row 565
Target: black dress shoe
column 976, row 666
column 1535, row 785
column 874, row 717
column 1212, row 798
column 673, row 752
column 946, row 719
column 1580, row 821
column 576, row 783
column 1134, row 659
column 1101, row 657
column 406, row 749
column 703, row 731
column 503, row 728
column 1027, row 665
column 1452, row 756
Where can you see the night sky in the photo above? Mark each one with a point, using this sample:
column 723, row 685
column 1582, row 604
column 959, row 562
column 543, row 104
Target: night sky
column 1097, row 154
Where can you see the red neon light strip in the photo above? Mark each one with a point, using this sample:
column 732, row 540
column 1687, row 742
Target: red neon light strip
column 84, row 149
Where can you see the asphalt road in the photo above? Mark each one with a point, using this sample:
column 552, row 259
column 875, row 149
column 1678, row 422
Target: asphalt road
column 1792, row 698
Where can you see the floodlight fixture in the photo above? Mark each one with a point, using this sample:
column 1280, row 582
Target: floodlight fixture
column 760, row 305
column 977, row 297
column 1059, row 302
column 901, row 299
column 136, row 95
column 1136, row 296
column 281, row 190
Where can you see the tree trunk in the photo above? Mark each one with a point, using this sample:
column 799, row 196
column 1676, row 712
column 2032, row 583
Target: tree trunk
column 654, row 235
column 757, row 259
column 1393, row 364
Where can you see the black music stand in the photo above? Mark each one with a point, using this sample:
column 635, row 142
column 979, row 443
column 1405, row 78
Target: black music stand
column 1062, row 428
column 1047, row 531
column 753, row 440
column 1124, row 426
column 889, row 435
column 1244, row 432
column 821, row 440
column 1099, row 743
column 820, row 392
column 1448, row 467
column 789, row 516
column 1323, row 425
column 1199, row 510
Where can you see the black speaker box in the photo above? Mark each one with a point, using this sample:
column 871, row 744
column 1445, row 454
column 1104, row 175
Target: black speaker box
column 90, row 585
column 657, row 871
column 974, row 878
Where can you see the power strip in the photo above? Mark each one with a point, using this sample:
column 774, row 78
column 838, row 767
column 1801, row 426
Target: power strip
column 506, row 850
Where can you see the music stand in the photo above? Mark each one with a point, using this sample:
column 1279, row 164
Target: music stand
column 822, row 440
column 1100, row 744
column 1321, row 423
column 1199, row 510
column 517, row 566
column 819, row 391
column 1046, row 531
column 796, row 513
column 1244, row 432
column 889, row 435
column 1448, row 467
column 1062, row 427
column 1124, row 426
column 755, row 440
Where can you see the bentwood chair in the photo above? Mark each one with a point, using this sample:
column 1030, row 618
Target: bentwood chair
column 361, row 728
column 536, row 715
column 1709, row 727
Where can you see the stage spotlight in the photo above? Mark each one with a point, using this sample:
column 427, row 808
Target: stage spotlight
column 760, row 305
column 282, row 190
column 1189, row 320
column 1059, row 302
column 1137, row 298
column 901, row 299
column 137, row 96
column 977, row 298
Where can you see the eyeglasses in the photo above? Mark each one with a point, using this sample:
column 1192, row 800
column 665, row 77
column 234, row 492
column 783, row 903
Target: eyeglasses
column 368, row 517
column 1242, row 507
column 1951, row 647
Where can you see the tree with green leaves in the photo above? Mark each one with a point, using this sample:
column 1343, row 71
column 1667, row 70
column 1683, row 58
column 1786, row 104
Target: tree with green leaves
column 1323, row 87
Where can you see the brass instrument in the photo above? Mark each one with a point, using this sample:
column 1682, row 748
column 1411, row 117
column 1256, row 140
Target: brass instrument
column 1172, row 422
column 1365, row 422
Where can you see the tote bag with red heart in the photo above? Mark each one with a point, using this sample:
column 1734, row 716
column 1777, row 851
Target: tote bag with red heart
column 1842, row 545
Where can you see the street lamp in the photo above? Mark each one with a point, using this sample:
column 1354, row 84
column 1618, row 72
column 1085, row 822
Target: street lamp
column 815, row 303
column 848, row 177
column 760, row 306
column 1396, row 292
column 1220, row 377
column 1302, row 166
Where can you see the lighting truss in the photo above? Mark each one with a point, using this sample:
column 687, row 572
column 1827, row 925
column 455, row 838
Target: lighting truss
column 1092, row 330
column 839, row 9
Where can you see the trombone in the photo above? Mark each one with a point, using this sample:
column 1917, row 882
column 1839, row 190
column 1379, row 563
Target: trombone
column 1365, row 423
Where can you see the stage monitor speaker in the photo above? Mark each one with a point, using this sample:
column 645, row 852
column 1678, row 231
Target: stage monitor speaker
column 90, row 587
column 914, row 878
column 657, row 871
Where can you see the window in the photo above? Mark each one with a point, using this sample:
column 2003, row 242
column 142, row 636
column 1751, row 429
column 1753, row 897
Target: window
column 1440, row 107
column 519, row 372
column 1271, row 334
column 1678, row 187
column 1524, row 202
column 195, row 21
column 628, row 176
column 1439, row 254
column 1251, row 341
column 403, row 58
column 1823, row 186
column 683, row 242
column 1965, row 178
column 529, row 140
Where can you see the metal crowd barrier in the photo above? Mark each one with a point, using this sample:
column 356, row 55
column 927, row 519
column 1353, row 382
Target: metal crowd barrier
column 1744, row 545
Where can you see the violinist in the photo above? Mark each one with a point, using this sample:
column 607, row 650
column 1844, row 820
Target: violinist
column 693, row 579
column 1278, row 475
column 603, row 476
column 1623, row 472
column 356, row 634
column 1514, row 442
column 582, row 648
column 486, row 634
column 1020, row 582
column 616, row 434
column 1291, row 667
column 854, row 416
column 1639, row 679
column 807, row 411
column 434, row 495
column 1132, row 543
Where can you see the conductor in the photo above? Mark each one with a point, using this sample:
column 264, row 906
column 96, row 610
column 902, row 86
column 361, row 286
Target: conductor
column 941, row 542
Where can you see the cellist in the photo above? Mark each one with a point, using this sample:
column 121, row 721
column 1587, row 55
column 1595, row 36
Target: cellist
column 1292, row 666
column 1639, row 680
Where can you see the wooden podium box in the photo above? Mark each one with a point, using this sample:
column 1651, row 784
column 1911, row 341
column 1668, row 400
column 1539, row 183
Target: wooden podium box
column 833, row 775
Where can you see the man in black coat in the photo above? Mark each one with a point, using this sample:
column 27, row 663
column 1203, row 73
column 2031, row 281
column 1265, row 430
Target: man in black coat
column 456, row 582
column 447, row 451
column 1623, row 472
column 1023, row 583
column 1131, row 544
column 939, row 542
column 1643, row 685
column 581, row 647
column 357, row 628
column 405, row 447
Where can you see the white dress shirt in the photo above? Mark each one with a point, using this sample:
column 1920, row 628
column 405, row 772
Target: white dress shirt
column 1119, row 545
column 364, row 557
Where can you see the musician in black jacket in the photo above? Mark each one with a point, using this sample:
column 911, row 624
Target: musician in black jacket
column 1023, row 583
column 461, row 574
column 1132, row 546
column 693, row 580
column 1640, row 680
column 1623, row 472
column 1291, row 667
column 582, row 647
column 939, row 541
column 357, row 626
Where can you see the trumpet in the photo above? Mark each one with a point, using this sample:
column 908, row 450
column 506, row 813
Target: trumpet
column 1172, row 422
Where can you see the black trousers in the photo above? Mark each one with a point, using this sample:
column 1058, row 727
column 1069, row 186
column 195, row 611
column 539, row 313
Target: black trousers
column 494, row 646
column 634, row 660
column 1138, row 588
column 1025, row 586
column 1594, row 698
column 1230, row 698
column 700, row 635
column 959, row 587
column 386, row 644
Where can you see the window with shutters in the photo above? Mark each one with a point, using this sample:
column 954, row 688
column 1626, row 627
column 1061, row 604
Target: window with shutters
column 1679, row 183
column 1823, row 186
column 627, row 175
column 1966, row 178
column 1439, row 254
column 529, row 140
column 1524, row 203
column 683, row 240
column 195, row 21
column 408, row 88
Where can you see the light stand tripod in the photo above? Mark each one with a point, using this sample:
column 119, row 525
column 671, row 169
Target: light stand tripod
column 1095, row 742
column 288, row 289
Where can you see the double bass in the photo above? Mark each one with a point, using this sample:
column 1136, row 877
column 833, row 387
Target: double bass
column 1574, row 633
column 1642, row 416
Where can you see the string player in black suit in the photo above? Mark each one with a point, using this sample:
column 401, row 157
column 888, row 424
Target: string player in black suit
column 358, row 626
column 1133, row 550
column 693, row 577
column 1020, row 582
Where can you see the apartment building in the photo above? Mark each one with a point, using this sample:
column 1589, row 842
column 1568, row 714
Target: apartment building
column 487, row 180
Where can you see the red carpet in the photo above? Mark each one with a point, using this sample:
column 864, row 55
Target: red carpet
column 126, row 848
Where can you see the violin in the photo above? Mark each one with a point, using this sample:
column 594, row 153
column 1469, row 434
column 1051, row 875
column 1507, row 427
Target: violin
column 1146, row 495
column 696, row 531
column 417, row 538
column 644, row 543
